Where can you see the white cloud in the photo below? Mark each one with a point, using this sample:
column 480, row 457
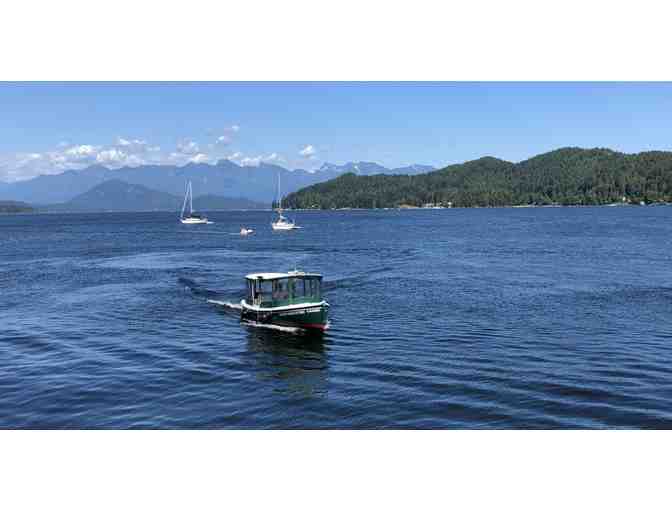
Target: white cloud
column 113, row 156
column 235, row 156
column 199, row 158
column 123, row 141
column 81, row 152
column 257, row 160
column 227, row 137
column 272, row 157
column 125, row 151
column 188, row 147
column 135, row 146
column 308, row 151
column 66, row 156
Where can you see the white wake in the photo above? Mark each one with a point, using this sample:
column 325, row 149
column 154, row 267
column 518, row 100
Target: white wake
column 228, row 304
column 285, row 329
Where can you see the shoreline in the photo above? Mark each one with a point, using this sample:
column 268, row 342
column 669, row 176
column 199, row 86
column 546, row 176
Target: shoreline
column 553, row 206
column 341, row 209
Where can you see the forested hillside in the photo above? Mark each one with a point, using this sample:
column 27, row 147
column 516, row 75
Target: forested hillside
column 12, row 206
column 569, row 176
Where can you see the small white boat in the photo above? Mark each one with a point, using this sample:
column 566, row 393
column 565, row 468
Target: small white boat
column 282, row 223
column 192, row 218
column 246, row 231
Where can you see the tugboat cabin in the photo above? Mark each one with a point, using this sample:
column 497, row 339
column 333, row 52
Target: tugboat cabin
column 270, row 290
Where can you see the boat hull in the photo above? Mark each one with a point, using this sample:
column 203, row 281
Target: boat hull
column 194, row 221
column 284, row 226
column 309, row 317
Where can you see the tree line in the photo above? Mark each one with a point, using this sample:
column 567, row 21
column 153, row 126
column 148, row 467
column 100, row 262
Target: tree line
column 568, row 176
column 11, row 206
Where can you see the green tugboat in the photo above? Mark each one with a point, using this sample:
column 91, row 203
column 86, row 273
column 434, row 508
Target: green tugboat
column 291, row 299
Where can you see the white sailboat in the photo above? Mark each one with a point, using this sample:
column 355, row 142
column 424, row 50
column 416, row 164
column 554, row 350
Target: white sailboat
column 282, row 223
column 192, row 218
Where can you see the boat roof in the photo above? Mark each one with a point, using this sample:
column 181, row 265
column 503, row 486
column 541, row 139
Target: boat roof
column 276, row 276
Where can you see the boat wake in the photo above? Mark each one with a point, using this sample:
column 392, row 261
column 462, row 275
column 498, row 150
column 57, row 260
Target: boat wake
column 197, row 289
column 286, row 329
column 355, row 280
column 227, row 304
column 275, row 327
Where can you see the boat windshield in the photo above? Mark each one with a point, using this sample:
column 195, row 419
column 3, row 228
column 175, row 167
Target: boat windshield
column 284, row 291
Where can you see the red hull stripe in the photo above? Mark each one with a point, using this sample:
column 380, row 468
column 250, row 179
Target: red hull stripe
column 314, row 326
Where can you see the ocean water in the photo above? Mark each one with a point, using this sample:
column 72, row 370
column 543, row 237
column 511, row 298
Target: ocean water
column 462, row 318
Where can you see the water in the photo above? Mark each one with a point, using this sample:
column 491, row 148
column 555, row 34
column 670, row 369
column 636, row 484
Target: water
column 481, row 318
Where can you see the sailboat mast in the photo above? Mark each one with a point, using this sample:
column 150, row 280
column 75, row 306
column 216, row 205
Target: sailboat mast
column 184, row 204
column 279, row 195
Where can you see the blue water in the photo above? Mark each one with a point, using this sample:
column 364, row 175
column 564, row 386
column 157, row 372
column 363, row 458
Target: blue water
column 463, row 318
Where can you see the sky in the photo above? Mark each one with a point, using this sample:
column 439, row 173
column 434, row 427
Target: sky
column 51, row 127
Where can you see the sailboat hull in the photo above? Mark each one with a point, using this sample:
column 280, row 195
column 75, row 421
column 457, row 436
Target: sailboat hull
column 283, row 226
column 194, row 221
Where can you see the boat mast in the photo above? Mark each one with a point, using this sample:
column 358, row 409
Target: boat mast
column 184, row 204
column 279, row 196
column 191, row 200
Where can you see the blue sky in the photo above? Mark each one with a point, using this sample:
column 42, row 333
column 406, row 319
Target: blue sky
column 48, row 127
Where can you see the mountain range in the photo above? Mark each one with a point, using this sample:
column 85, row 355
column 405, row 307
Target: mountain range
column 256, row 183
column 368, row 168
column 116, row 195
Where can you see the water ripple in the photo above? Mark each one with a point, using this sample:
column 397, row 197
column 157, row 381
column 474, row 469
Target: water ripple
column 539, row 318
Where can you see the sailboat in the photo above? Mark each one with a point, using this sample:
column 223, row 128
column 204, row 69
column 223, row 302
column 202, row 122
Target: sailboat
column 282, row 223
column 192, row 218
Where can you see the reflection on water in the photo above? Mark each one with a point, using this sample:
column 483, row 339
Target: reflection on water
column 295, row 364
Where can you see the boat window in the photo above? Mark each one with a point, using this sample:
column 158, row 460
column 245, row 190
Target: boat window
column 300, row 287
column 264, row 290
column 315, row 288
column 280, row 290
